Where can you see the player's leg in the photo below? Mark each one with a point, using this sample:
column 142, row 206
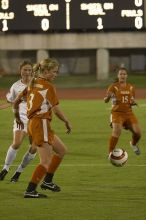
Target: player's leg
column 44, row 152
column 116, row 123
column 27, row 158
column 59, row 151
column 136, row 135
column 18, row 136
column 116, row 131
column 38, row 133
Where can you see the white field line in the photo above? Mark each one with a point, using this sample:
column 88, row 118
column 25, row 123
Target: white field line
column 87, row 165
column 142, row 105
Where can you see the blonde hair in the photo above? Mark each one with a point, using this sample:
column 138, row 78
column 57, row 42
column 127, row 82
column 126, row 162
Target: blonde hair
column 49, row 64
column 39, row 68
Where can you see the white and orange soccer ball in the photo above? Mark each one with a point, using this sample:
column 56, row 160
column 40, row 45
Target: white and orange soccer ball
column 118, row 157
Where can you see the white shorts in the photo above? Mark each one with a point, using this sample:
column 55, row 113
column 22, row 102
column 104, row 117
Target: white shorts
column 25, row 122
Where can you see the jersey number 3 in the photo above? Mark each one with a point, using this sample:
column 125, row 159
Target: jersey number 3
column 31, row 96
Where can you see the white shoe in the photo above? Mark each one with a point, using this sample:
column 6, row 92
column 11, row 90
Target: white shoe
column 135, row 148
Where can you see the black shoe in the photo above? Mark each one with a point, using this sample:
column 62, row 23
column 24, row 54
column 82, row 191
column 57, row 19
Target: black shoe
column 34, row 195
column 3, row 173
column 15, row 177
column 51, row 186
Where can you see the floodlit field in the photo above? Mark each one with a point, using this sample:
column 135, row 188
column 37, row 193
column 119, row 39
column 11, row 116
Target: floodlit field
column 92, row 189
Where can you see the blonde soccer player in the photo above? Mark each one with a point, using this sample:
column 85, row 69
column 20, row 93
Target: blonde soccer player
column 42, row 101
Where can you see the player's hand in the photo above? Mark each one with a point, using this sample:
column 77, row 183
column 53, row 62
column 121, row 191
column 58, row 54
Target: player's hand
column 133, row 103
column 108, row 97
column 19, row 123
column 68, row 126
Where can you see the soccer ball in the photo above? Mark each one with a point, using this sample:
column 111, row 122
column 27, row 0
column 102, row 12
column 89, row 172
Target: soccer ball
column 118, row 157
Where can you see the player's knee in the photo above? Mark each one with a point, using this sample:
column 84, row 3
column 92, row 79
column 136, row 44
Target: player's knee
column 62, row 152
column 32, row 150
column 116, row 133
column 65, row 151
column 16, row 146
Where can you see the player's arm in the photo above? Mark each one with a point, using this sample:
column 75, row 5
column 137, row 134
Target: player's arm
column 108, row 97
column 8, row 99
column 132, row 101
column 16, row 104
column 58, row 112
column 109, row 94
column 11, row 95
column 53, row 99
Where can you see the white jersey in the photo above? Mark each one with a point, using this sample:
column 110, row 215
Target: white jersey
column 15, row 89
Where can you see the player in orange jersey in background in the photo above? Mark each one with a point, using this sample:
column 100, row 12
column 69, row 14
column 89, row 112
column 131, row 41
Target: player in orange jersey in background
column 122, row 95
column 42, row 100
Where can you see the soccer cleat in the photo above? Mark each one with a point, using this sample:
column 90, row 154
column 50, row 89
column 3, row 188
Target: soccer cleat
column 51, row 186
column 3, row 173
column 34, row 195
column 135, row 148
column 15, row 177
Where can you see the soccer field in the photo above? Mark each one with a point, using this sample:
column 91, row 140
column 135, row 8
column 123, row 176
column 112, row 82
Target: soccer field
column 92, row 188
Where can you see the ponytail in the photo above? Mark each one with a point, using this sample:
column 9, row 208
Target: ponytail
column 36, row 69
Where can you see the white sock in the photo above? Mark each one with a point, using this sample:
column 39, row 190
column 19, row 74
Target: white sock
column 11, row 154
column 25, row 161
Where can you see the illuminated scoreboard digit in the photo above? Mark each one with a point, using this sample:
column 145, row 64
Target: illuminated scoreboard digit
column 108, row 15
column 32, row 15
column 71, row 15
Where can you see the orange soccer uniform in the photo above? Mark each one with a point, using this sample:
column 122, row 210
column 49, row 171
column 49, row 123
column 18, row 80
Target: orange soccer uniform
column 41, row 97
column 122, row 99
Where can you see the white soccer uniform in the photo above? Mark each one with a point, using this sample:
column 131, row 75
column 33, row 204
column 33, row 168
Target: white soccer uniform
column 15, row 89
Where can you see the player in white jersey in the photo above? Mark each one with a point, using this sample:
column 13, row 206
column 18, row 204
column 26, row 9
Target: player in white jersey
column 18, row 134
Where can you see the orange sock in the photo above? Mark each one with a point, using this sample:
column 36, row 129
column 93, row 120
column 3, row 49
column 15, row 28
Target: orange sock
column 38, row 174
column 54, row 164
column 112, row 143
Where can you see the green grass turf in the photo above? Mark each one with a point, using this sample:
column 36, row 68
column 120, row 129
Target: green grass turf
column 92, row 188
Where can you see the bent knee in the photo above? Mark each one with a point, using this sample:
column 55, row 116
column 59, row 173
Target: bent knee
column 61, row 153
column 16, row 146
column 65, row 151
column 32, row 150
column 116, row 133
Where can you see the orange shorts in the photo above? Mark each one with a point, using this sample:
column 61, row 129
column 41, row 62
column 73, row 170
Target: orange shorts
column 39, row 131
column 126, row 119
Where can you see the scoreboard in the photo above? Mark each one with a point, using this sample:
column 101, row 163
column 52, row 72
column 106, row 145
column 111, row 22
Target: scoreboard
column 29, row 16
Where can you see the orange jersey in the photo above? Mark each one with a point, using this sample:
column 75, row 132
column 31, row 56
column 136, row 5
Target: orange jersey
column 121, row 97
column 40, row 99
